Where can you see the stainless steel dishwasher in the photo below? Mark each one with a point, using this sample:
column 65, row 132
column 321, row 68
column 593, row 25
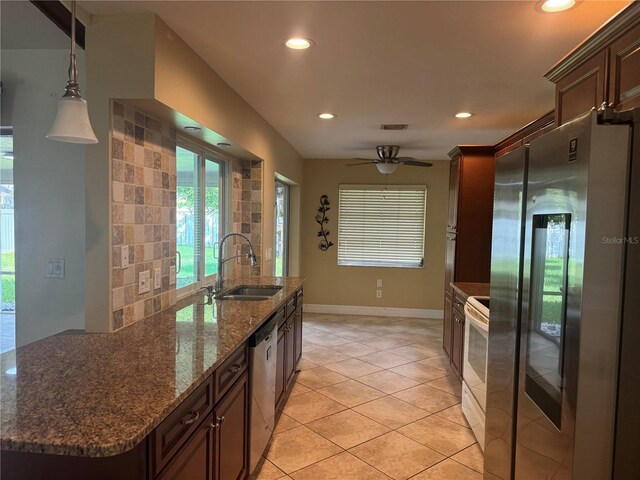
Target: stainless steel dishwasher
column 264, row 344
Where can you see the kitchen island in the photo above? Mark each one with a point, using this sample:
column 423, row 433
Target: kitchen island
column 98, row 399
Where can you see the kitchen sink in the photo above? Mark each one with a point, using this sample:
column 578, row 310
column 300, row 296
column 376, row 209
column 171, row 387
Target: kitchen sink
column 250, row 293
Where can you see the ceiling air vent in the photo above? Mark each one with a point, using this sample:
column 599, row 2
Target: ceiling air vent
column 394, row 126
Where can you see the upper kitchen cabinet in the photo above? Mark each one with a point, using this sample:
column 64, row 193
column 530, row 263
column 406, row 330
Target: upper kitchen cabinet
column 605, row 68
column 470, row 214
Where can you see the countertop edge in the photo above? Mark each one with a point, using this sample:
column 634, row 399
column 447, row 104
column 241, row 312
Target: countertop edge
column 124, row 446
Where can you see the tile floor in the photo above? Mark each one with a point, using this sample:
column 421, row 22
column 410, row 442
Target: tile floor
column 374, row 399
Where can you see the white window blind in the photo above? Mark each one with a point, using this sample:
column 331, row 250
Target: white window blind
column 382, row 226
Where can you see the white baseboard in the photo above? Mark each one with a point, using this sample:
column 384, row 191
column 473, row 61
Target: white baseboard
column 374, row 311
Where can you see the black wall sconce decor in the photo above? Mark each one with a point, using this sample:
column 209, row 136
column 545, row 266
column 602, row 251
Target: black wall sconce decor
column 322, row 219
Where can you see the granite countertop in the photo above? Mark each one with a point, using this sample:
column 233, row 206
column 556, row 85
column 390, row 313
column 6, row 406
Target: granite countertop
column 467, row 289
column 100, row 394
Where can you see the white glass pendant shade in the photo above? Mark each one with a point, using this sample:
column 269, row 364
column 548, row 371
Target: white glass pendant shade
column 387, row 168
column 72, row 122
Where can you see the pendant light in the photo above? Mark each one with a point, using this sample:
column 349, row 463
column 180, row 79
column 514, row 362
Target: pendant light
column 72, row 123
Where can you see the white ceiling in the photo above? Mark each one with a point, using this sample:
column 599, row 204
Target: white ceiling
column 380, row 62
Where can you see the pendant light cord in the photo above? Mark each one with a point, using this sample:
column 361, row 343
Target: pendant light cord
column 73, row 89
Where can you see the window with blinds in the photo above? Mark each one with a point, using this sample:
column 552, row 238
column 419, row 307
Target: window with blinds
column 382, row 226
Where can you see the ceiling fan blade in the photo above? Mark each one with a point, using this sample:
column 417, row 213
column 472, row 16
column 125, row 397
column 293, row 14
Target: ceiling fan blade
column 362, row 163
column 402, row 159
column 369, row 159
column 415, row 163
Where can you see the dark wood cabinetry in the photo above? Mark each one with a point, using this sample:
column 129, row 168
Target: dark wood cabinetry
column 280, row 380
column 289, row 345
column 194, row 460
column 231, row 424
column 468, row 245
column 605, row 68
column 457, row 338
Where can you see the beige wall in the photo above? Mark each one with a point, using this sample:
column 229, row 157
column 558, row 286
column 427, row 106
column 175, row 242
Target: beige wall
column 330, row 284
column 185, row 83
column 138, row 57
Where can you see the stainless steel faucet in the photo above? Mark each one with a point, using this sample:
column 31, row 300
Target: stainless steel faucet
column 251, row 256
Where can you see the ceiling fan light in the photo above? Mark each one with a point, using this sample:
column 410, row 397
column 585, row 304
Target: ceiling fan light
column 387, row 168
column 72, row 122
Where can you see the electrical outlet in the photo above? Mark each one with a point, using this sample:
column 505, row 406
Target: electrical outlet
column 157, row 279
column 172, row 275
column 144, row 282
column 54, row 268
column 379, row 283
column 268, row 254
column 378, row 293
column 124, row 257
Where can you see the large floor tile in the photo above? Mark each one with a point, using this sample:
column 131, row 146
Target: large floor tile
column 440, row 361
column 419, row 372
column 356, row 335
column 323, row 356
column 387, row 381
column 391, row 412
column 397, row 456
column 417, row 351
column 471, row 457
column 354, row 349
column 428, row 398
column 353, row 368
column 298, row 448
column 268, row 471
column 319, row 377
column 448, row 470
column 343, row 466
column 348, row 428
column 306, row 364
column 328, row 340
column 383, row 343
column 454, row 414
column 351, row 393
column 298, row 389
column 439, row 434
column 385, row 359
column 284, row 423
column 449, row 384
column 311, row 406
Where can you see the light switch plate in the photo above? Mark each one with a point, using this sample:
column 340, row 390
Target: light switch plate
column 54, row 268
column 172, row 275
column 157, row 283
column 378, row 293
column 144, row 282
column 124, row 257
column 379, row 283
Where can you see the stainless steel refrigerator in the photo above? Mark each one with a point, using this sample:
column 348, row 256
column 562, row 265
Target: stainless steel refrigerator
column 562, row 390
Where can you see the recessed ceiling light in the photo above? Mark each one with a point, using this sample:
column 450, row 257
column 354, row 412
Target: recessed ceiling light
column 464, row 115
column 327, row 116
column 551, row 6
column 192, row 128
column 298, row 43
column 223, row 144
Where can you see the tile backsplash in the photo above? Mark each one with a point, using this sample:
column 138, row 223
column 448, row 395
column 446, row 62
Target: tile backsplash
column 143, row 212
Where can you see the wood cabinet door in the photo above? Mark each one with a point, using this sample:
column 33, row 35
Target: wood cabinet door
column 457, row 342
column 450, row 261
column 297, row 331
column 447, row 328
column 231, row 417
column 289, row 344
column 582, row 89
column 454, row 179
column 280, row 364
column 624, row 70
column 194, row 461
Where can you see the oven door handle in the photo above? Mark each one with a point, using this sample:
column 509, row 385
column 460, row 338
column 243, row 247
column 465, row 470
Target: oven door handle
column 472, row 316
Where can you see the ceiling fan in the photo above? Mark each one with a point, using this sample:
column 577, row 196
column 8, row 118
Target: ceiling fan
column 388, row 160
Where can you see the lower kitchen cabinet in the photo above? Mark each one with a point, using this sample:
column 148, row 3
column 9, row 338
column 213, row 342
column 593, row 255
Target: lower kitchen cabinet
column 289, row 346
column 289, row 342
column 280, row 378
column 231, row 425
column 194, row 460
column 447, row 328
column 457, row 341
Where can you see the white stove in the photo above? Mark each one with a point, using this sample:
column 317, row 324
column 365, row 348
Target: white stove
column 474, row 370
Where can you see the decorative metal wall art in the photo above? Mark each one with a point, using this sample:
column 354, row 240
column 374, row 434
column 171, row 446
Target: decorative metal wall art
column 322, row 219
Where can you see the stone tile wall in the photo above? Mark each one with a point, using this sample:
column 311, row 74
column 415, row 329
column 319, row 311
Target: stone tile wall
column 143, row 209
